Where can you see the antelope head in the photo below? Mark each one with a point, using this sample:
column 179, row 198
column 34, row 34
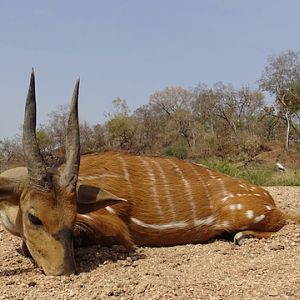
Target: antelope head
column 41, row 206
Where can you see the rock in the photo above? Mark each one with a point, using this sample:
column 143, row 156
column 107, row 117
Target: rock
column 32, row 283
column 141, row 288
column 273, row 293
column 276, row 247
column 71, row 293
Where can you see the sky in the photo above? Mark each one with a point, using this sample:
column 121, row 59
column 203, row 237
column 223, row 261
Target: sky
column 132, row 48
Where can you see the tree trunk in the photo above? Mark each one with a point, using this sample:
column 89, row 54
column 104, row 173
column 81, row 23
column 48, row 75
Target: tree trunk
column 288, row 127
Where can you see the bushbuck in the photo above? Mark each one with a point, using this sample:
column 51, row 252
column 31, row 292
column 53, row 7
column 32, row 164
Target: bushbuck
column 120, row 198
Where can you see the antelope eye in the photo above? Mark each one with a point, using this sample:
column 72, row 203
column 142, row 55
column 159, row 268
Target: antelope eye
column 34, row 220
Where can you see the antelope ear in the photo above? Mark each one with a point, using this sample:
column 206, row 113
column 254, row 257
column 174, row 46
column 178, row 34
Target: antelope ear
column 91, row 198
column 9, row 190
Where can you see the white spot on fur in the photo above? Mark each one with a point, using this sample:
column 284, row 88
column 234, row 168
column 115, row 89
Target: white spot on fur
column 110, row 210
column 206, row 221
column 241, row 185
column 231, row 206
column 224, row 225
column 238, row 206
column 243, row 227
column 258, row 195
column 230, row 195
column 172, row 225
column 211, row 175
column 250, row 214
column 259, row 218
column 268, row 207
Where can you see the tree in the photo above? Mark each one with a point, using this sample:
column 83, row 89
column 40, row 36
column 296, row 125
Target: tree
column 56, row 127
column 120, row 107
column 121, row 132
column 11, row 149
column 121, row 127
column 280, row 78
column 149, row 132
column 237, row 107
column 87, row 138
column 204, row 107
column 175, row 104
column 43, row 140
column 99, row 137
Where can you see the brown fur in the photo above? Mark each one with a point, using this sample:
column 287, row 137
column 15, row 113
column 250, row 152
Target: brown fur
column 106, row 170
column 56, row 209
column 133, row 200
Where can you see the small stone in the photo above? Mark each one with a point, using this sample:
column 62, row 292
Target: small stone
column 273, row 293
column 277, row 247
column 71, row 293
column 135, row 264
column 142, row 288
column 32, row 283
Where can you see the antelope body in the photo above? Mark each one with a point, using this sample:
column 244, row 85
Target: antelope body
column 121, row 198
column 171, row 202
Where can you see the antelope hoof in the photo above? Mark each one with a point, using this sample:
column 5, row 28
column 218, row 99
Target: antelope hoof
column 240, row 238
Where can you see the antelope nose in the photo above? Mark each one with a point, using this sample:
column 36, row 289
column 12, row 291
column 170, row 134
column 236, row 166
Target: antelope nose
column 65, row 237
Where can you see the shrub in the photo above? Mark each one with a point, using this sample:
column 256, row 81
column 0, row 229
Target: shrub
column 178, row 149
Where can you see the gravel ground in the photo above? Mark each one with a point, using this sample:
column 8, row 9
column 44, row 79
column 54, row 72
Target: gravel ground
column 259, row 269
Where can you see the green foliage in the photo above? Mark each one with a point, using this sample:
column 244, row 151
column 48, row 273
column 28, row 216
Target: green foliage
column 121, row 131
column 43, row 139
column 120, row 108
column 294, row 96
column 291, row 177
column 259, row 175
column 121, row 126
column 223, row 166
column 255, row 174
column 178, row 149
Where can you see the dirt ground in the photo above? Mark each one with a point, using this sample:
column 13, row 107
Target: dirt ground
column 259, row 269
